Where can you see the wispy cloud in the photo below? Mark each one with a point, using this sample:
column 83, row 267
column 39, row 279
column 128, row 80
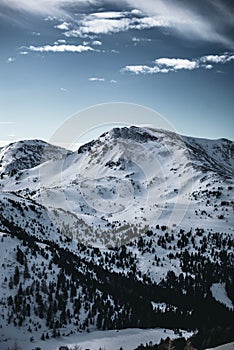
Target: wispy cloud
column 96, row 43
column 61, row 48
column 62, row 41
column 137, row 40
column 226, row 57
column 44, row 7
column 10, row 60
column 6, row 123
column 166, row 65
column 97, row 79
column 207, row 20
column 50, row 18
column 109, row 14
column 112, row 22
column 63, row 26
column 102, row 80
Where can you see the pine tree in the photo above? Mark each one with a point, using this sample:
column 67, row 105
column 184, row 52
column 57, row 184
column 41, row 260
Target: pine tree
column 16, row 276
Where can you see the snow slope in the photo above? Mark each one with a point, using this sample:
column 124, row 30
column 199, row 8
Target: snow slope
column 129, row 339
column 219, row 293
column 229, row 346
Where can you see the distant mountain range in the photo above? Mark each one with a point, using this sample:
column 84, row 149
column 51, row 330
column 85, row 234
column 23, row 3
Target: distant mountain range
column 135, row 229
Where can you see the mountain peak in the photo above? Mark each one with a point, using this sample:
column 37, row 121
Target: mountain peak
column 135, row 133
column 27, row 154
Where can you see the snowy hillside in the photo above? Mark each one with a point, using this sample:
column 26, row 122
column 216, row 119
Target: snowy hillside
column 135, row 229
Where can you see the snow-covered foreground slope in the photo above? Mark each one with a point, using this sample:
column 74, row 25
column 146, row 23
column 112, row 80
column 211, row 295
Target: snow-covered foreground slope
column 228, row 346
column 129, row 339
column 135, row 229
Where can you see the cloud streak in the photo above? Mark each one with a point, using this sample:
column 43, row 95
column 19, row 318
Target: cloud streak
column 166, row 65
column 111, row 22
column 6, row 123
column 61, row 48
column 204, row 20
column 97, row 79
column 102, row 80
column 218, row 58
column 44, row 7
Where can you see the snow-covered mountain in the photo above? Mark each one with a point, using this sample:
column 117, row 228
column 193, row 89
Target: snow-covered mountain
column 129, row 176
column 139, row 219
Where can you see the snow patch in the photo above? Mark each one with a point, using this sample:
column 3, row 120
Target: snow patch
column 219, row 293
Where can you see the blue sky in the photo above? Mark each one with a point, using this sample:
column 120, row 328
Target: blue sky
column 59, row 57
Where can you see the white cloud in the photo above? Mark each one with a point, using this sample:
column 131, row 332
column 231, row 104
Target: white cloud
column 177, row 63
column 36, row 33
column 134, row 39
column 166, row 65
column 136, row 12
column 63, row 89
column 113, row 81
column 103, row 26
column 97, row 79
column 62, row 41
column 109, row 15
column 10, row 60
column 140, row 69
column 24, row 53
column 149, row 22
column 50, row 18
column 224, row 58
column 63, row 26
column 230, row 58
column 112, row 22
column 61, row 48
column 96, row 43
